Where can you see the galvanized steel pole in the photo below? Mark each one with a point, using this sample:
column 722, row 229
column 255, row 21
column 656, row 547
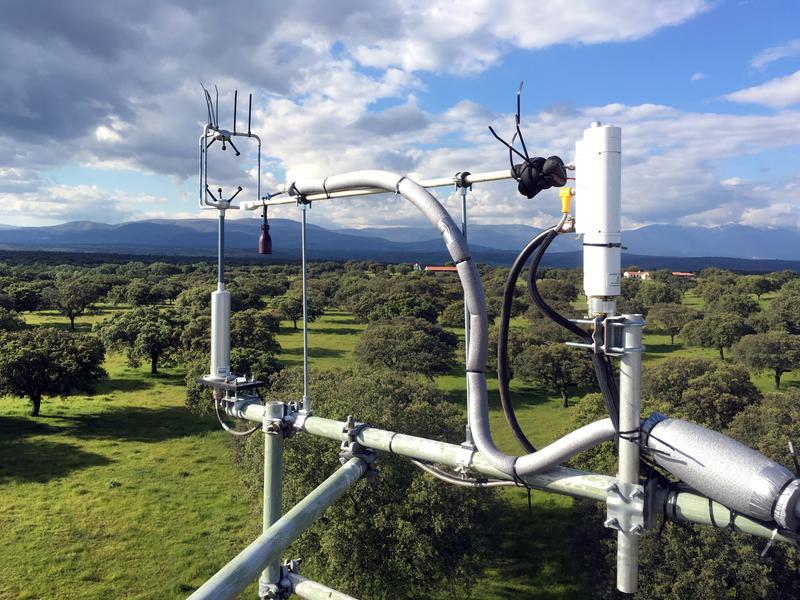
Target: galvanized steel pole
column 221, row 250
column 273, row 487
column 311, row 590
column 630, row 375
column 233, row 578
column 306, row 400
column 684, row 506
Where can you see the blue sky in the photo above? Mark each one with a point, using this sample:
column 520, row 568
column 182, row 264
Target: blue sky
column 102, row 104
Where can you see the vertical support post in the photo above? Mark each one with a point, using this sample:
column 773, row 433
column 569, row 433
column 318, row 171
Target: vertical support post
column 221, row 251
column 273, row 488
column 463, row 187
column 630, row 376
column 220, row 313
column 303, row 212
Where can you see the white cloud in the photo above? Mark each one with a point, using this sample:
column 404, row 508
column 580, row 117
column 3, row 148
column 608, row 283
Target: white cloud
column 699, row 76
column 431, row 36
column 671, row 158
column 733, row 181
column 770, row 55
column 129, row 98
column 776, row 93
column 59, row 203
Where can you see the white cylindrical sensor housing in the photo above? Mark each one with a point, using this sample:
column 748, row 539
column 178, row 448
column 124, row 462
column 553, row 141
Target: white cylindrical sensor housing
column 598, row 196
column 220, row 334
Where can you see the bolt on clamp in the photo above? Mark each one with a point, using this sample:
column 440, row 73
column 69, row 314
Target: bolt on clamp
column 625, row 507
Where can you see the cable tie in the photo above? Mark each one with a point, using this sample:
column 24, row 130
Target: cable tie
column 325, row 189
column 473, row 371
column 397, row 186
column 769, row 543
column 465, row 259
column 608, row 245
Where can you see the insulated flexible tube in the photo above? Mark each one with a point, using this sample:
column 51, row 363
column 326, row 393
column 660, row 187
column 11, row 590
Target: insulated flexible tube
column 477, row 398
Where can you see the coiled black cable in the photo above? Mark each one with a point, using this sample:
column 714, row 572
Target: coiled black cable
column 502, row 340
column 602, row 364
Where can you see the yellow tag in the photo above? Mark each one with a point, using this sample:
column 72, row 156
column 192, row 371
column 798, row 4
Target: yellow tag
column 566, row 199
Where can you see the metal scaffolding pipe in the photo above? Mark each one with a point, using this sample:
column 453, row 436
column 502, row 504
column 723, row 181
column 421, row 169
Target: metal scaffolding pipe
column 304, row 269
column 370, row 191
column 677, row 506
column 273, row 487
column 233, row 578
column 630, row 377
column 311, row 590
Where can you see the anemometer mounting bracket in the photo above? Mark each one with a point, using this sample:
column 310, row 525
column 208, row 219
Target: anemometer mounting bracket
column 607, row 336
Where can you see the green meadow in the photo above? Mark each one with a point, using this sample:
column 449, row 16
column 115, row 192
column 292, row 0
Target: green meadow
column 125, row 494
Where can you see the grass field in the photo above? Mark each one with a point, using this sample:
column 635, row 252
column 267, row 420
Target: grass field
column 125, row 494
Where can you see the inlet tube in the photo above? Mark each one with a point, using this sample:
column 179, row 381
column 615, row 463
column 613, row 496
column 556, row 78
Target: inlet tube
column 723, row 469
column 475, row 299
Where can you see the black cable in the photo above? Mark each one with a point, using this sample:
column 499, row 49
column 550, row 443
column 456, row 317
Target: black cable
column 502, row 340
column 602, row 364
column 543, row 307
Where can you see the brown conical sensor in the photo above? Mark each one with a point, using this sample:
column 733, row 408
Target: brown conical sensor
column 265, row 241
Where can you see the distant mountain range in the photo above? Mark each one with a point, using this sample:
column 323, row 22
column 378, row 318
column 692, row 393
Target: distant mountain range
column 730, row 245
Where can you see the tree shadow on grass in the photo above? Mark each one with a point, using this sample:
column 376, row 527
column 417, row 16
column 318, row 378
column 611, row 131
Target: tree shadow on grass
column 136, row 424
column 122, row 384
column 315, row 352
column 79, row 326
column 336, row 330
column 345, row 320
column 662, row 349
column 538, row 544
column 521, row 396
column 15, row 428
column 39, row 461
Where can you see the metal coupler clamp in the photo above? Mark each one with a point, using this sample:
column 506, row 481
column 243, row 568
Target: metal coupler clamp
column 350, row 448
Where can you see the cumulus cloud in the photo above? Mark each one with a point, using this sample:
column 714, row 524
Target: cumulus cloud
column 699, row 76
column 429, row 36
column 770, row 55
column 671, row 159
column 776, row 93
column 117, row 86
column 59, row 203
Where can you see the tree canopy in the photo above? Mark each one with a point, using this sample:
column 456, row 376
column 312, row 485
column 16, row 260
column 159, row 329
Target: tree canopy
column 72, row 298
column 555, row 366
column 404, row 518
column 407, row 345
column 707, row 392
column 775, row 351
column 41, row 362
column 732, row 303
column 144, row 333
column 672, row 317
column 719, row 330
column 290, row 307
